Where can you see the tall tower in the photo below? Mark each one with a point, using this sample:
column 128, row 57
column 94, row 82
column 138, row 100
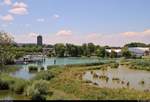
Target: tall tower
column 39, row 40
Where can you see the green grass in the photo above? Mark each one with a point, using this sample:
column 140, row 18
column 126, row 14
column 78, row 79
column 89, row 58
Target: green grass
column 69, row 82
column 140, row 64
column 66, row 83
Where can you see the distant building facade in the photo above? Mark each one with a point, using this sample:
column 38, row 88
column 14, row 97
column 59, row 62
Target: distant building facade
column 139, row 51
column 39, row 40
column 117, row 50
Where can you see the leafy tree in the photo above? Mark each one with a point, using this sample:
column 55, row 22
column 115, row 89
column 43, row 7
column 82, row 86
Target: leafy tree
column 91, row 48
column 100, row 52
column 135, row 44
column 126, row 53
column 59, row 50
column 113, row 54
column 6, row 56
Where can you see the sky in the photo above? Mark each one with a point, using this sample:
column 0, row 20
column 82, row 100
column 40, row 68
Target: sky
column 103, row 22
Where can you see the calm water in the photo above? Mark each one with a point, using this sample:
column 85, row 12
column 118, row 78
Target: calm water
column 134, row 77
column 24, row 72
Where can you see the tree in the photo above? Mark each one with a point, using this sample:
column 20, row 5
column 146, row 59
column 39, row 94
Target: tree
column 113, row 54
column 59, row 50
column 100, row 52
column 136, row 44
column 126, row 53
column 6, row 56
column 91, row 48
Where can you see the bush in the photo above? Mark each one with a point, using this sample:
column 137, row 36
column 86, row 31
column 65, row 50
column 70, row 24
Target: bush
column 4, row 85
column 18, row 87
column 42, row 68
column 33, row 68
column 114, row 65
column 38, row 90
column 44, row 76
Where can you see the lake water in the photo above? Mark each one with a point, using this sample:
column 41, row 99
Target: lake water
column 24, row 72
column 125, row 75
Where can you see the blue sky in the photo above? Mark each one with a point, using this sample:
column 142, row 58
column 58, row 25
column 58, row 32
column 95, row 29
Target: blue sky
column 104, row 22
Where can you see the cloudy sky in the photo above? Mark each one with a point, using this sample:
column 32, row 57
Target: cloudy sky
column 104, row 22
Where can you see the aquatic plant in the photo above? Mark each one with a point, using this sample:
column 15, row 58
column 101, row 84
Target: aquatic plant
column 128, row 84
column 114, row 65
column 33, row 68
column 95, row 75
column 142, row 82
column 115, row 79
column 42, row 68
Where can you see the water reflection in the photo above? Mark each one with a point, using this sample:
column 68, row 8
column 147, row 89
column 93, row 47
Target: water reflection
column 120, row 78
column 24, row 70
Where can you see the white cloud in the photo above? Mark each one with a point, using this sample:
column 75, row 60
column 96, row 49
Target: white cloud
column 19, row 8
column 7, row 18
column 32, row 34
column 64, row 33
column 134, row 34
column 40, row 20
column 56, row 16
column 7, row 2
column 19, row 5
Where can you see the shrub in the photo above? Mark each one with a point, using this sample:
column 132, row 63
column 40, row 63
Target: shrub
column 33, row 68
column 4, row 85
column 18, row 87
column 114, row 65
column 38, row 90
column 42, row 68
column 44, row 76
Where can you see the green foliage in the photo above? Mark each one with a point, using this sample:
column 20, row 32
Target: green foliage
column 136, row 44
column 114, row 65
column 18, row 87
column 33, row 68
column 100, row 52
column 113, row 54
column 38, row 90
column 4, row 85
column 13, row 84
column 46, row 75
column 59, row 50
column 126, row 53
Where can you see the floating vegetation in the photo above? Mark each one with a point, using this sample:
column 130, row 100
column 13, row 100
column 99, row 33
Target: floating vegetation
column 122, row 82
column 142, row 82
column 95, row 83
column 114, row 65
column 95, row 75
column 33, row 68
column 115, row 79
column 92, row 72
column 88, row 81
column 128, row 84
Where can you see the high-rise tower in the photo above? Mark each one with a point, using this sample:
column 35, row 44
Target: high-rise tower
column 39, row 40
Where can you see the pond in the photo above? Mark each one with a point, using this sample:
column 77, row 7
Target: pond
column 24, row 73
column 119, row 78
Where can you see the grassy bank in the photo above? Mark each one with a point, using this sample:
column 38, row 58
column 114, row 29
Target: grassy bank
column 140, row 64
column 68, row 84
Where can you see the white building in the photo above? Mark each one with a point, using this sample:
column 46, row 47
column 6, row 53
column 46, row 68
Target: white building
column 139, row 51
column 118, row 51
